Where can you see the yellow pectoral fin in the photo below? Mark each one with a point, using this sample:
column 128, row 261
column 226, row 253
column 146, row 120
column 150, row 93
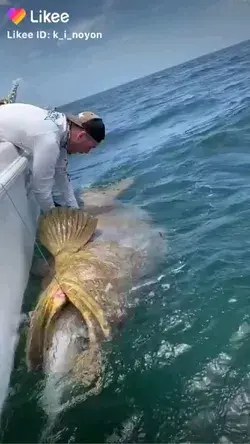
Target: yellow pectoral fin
column 49, row 304
column 86, row 304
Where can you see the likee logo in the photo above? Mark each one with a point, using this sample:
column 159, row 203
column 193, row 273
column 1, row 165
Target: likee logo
column 41, row 16
column 16, row 15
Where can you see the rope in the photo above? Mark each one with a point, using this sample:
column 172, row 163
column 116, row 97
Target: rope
column 26, row 226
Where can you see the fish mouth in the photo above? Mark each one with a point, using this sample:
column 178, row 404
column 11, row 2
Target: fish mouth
column 87, row 366
column 55, row 299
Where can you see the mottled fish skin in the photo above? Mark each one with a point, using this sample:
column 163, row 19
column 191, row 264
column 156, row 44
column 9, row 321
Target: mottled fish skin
column 95, row 273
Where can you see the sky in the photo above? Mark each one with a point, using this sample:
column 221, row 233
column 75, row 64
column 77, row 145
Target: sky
column 129, row 39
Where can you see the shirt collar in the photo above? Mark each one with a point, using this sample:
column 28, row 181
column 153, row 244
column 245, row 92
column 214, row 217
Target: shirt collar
column 65, row 138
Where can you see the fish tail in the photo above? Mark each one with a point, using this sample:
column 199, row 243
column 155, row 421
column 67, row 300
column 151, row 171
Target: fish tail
column 65, row 229
column 103, row 196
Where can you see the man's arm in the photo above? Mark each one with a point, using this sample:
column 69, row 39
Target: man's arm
column 63, row 189
column 45, row 157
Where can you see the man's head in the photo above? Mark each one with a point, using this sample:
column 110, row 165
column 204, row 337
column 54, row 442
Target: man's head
column 87, row 130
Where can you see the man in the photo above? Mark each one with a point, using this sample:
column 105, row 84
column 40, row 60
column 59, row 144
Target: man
column 46, row 138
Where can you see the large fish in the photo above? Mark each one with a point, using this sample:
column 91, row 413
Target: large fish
column 99, row 253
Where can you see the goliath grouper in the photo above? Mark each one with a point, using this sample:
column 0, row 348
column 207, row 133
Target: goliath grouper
column 99, row 254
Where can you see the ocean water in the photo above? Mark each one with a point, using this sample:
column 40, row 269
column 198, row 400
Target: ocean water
column 180, row 369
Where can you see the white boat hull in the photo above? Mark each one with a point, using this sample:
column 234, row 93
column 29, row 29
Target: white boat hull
column 18, row 218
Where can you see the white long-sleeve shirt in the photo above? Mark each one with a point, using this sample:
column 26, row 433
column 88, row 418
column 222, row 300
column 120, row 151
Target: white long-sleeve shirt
column 41, row 135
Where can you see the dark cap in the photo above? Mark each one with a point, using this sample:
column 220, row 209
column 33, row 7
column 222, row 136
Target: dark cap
column 91, row 123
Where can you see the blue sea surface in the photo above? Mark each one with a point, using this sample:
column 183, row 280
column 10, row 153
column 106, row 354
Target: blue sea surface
column 180, row 369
